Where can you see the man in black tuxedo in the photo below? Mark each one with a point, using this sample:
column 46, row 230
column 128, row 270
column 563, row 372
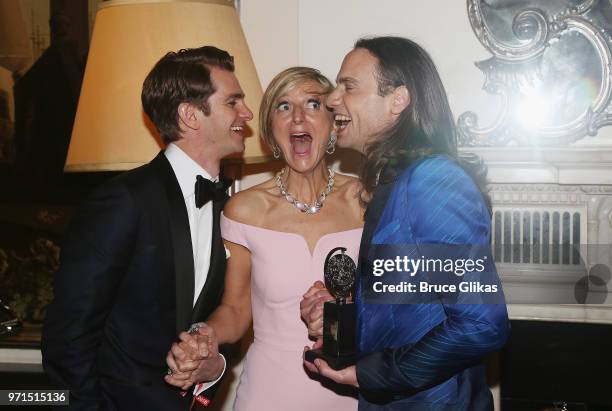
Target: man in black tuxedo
column 143, row 259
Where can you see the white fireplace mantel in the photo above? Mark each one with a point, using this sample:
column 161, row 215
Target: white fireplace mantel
column 593, row 314
column 533, row 165
column 575, row 180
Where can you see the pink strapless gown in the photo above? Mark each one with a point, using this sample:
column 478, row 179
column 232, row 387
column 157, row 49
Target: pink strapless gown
column 282, row 269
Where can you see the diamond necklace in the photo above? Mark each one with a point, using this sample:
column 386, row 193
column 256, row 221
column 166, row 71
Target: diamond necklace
column 305, row 207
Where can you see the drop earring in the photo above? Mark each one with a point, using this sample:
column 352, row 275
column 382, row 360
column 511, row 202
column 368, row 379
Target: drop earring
column 331, row 144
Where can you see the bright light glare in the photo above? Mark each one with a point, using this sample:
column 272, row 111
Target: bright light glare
column 533, row 111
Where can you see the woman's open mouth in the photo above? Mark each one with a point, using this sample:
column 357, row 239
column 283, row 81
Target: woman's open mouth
column 300, row 143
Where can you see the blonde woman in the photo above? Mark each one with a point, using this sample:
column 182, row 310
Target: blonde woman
column 278, row 234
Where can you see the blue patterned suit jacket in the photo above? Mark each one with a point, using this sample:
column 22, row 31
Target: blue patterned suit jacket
column 426, row 356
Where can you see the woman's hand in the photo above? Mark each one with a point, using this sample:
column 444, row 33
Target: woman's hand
column 212, row 364
column 311, row 308
column 194, row 359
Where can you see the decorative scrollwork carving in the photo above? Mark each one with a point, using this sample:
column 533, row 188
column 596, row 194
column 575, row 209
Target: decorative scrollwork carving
column 551, row 67
column 530, row 26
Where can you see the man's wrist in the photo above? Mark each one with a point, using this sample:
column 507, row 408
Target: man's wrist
column 220, row 368
column 199, row 388
column 213, row 371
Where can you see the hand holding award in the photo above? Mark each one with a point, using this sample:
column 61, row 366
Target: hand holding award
column 339, row 316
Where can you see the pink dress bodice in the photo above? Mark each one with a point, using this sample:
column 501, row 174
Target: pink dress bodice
column 282, row 269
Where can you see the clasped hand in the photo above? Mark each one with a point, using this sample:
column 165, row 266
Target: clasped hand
column 311, row 310
column 194, row 359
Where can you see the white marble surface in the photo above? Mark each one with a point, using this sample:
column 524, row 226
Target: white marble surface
column 20, row 360
column 573, row 313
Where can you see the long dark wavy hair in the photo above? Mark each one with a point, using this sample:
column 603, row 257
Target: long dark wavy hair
column 424, row 128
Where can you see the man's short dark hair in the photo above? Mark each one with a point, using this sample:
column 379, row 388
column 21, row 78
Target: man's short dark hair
column 181, row 77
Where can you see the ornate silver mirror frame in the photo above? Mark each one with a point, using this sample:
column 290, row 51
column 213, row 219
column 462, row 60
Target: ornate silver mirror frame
column 551, row 67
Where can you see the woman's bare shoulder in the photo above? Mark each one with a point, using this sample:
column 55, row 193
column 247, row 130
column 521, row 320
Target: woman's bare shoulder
column 347, row 181
column 248, row 205
column 349, row 189
column 349, row 186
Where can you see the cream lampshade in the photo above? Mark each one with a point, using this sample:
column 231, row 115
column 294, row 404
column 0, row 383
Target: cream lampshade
column 15, row 47
column 111, row 130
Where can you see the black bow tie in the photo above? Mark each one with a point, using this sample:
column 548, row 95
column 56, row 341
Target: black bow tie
column 206, row 190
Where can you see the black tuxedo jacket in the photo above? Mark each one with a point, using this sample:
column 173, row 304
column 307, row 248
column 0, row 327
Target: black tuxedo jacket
column 124, row 291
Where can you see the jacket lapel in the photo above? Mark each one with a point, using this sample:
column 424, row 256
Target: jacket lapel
column 372, row 217
column 181, row 243
column 374, row 212
column 212, row 291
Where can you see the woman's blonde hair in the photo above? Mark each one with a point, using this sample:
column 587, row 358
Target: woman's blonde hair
column 284, row 81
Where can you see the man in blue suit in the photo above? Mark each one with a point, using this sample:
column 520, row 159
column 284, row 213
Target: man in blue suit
column 390, row 105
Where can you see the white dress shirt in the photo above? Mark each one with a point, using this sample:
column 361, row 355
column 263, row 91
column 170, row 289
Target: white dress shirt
column 200, row 225
column 200, row 219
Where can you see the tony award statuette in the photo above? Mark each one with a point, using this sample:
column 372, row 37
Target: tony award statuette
column 339, row 317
